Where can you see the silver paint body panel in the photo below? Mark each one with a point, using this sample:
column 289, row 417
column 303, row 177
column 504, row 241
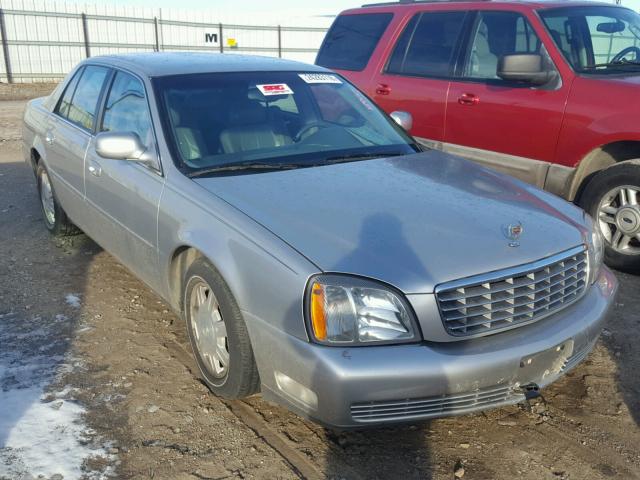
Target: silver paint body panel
column 412, row 222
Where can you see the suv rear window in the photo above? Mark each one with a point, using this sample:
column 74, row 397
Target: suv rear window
column 351, row 41
column 427, row 45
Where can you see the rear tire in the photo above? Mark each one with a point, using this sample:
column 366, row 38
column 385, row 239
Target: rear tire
column 55, row 218
column 612, row 198
column 218, row 334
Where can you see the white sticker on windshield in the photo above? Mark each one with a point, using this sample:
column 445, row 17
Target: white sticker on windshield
column 275, row 89
column 319, row 78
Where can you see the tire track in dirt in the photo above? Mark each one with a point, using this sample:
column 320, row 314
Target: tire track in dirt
column 252, row 419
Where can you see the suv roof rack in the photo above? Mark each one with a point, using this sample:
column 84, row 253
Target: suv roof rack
column 411, row 2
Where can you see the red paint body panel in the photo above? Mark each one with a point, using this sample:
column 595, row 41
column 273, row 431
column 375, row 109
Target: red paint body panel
column 560, row 126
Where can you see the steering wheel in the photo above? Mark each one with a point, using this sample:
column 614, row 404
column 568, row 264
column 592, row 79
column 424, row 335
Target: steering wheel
column 624, row 52
column 304, row 130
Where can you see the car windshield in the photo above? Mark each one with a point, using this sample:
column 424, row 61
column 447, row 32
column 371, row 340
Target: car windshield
column 232, row 121
column 596, row 39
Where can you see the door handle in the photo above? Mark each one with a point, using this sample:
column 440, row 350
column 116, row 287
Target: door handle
column 95, row 169
column 49, row 137
column 468, row 99
column 383, row 89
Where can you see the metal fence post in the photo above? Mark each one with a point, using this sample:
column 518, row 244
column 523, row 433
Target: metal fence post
column 220, row 37
column 279, row 41
column 155, row 26
column 85, row 31
column 5, row 47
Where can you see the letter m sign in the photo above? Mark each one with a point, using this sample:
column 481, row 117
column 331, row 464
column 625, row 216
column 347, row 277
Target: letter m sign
column 211, row 38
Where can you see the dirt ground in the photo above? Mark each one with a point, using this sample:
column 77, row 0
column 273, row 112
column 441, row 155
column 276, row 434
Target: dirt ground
column 147, row 409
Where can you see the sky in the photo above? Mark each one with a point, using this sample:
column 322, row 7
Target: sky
column 300, row 8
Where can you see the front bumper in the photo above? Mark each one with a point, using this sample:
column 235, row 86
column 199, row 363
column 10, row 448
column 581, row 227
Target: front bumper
column 375, row 385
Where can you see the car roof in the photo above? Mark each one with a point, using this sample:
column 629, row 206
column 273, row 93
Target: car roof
column 160, row 64
column 535, row 4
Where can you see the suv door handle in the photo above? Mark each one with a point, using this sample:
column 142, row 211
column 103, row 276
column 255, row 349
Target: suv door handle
column 383, row 89
column 95, row 169
column 468, row 99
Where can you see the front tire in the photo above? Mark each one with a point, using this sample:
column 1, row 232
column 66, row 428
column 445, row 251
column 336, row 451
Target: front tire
column 612, row 198
column 55, row 218
column 218, row 334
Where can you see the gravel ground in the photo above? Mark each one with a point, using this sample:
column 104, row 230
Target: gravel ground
column 77, row 325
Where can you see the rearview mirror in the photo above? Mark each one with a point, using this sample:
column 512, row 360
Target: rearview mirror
column 611, row 27
column 528, row 68
column 404, row 119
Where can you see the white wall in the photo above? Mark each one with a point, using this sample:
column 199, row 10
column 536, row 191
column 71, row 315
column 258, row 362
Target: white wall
column 44, row 47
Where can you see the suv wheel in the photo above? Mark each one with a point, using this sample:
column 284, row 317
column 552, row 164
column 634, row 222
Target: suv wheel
column 612, row 198
column 218, row 334
column 55, row 219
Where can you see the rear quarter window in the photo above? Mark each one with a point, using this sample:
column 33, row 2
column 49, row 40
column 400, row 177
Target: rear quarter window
column 351, row 41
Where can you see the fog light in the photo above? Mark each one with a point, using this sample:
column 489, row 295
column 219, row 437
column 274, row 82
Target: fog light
column 299, row 392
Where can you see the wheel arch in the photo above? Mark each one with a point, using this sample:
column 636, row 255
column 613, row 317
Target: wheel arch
column 35, row 158
column 180, row 260
column 37, row 153
column 600, row 159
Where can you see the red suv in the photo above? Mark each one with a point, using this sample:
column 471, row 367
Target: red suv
column 548, row 92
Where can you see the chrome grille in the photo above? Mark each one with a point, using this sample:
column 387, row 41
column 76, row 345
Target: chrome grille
column 504, row 299
column 578, row 356
column 444, row 405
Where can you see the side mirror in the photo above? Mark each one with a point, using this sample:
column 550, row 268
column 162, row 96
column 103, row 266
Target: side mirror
column 404, row 119
column 527, row 68
column 120, row 146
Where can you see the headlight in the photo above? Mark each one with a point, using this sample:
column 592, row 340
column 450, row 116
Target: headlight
column 595, row 244
column 348, row 310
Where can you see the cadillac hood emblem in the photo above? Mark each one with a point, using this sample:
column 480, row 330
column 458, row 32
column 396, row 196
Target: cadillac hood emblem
column 513, row 232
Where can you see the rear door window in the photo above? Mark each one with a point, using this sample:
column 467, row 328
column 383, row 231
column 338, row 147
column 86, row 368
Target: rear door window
column 351, row 41
column 83, row 107
column 65, row 101
column 428, row 45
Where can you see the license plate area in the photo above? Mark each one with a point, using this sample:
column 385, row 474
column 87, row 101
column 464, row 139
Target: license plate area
column 548, row 363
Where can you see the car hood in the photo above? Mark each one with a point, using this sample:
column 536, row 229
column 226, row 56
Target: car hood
column 413, row 221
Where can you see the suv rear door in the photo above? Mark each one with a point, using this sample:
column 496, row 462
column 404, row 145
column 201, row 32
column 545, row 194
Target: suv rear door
column 492, row 115
column 417, row 74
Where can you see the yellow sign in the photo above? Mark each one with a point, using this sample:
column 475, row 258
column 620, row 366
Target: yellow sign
column 232, row 42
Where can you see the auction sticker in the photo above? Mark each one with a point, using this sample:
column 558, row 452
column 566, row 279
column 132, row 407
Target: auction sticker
column 275, row 89
column 319, row 78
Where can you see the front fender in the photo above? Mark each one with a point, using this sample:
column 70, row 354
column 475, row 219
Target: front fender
column 266, row 276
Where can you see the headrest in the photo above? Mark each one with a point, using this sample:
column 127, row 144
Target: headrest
column 174, row 115
column 249, row 113
column 481, row 44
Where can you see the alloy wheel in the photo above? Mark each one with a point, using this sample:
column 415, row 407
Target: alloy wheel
column 619, row 219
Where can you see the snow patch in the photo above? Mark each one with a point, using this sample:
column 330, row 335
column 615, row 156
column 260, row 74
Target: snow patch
column 42, row 438
column 41, row 430
column 73, row 300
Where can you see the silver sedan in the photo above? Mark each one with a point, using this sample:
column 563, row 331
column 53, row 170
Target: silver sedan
column 315, row 251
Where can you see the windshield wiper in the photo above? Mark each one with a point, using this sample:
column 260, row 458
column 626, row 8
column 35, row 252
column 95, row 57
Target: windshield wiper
column 234, row 167
column 362, row 156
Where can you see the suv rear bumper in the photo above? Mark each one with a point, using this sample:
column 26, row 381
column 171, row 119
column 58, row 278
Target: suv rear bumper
column 362, row 386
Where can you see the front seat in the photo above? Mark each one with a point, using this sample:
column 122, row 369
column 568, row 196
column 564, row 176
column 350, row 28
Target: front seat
column 484, row 64
column 251, row 128
column 190, row 140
